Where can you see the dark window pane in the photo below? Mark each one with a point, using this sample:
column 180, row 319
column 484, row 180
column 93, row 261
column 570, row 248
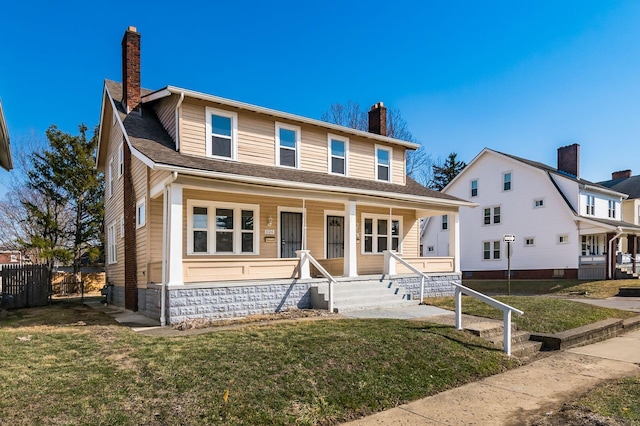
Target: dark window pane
column 224, row 218
column 383, row 173
column 382, row 244
column 247, row 220
column 382, row 227
column 337, row 148
column 200, row 217
column 395, row 227
column 221, row 125
column 224, row 241
column 287, row 157
column 368, row 244
column 247, row 242
column 383, row 157
column 287, row 138
column 474, row 192
column 337, row 165
column 221, row 146
column 395, row 242
column 199, row 241
column 368, row 226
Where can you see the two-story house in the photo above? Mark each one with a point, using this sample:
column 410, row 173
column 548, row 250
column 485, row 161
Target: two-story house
column 565, row 226
column 210, row 203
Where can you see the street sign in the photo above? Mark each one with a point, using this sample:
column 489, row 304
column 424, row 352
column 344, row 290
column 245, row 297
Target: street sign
column 509, row 238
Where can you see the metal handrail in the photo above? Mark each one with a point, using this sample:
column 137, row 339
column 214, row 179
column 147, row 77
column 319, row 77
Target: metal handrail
column 324, row 272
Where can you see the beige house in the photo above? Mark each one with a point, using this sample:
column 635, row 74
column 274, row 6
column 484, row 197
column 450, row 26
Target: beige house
column 211, row 203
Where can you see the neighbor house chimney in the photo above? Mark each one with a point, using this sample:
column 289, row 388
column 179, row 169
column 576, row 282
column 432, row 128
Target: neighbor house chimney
column 131, row 69
column 622, row 174
column 569, row 159
column 378, row 119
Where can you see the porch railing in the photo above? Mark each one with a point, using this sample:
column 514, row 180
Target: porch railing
column 305, row 273
column 390, row 269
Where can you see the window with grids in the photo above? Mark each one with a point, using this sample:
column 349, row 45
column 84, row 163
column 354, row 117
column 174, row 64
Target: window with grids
column 338, row 147
column 112, row 248
column 474, row 188
column 222, row 129
column 591, row 205
column 141, row 213
column 538, row 203
column 287, row 145
column 491, row 250
column 506, row 181
column 383, row 164
column 529, row 242
column 563, row 239
column 380, row 234
column 445, row 222
column 612, row 209
column 491, row 215
column 120, row 160
column 110, row 179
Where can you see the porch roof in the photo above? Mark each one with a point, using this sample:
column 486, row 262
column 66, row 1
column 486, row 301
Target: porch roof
column 149, row 139
column 628, row 228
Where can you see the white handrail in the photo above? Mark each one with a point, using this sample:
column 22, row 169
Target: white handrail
column 390, row 269
column 306, row 256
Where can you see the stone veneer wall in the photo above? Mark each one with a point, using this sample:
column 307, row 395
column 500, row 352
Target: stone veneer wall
column 434, row 285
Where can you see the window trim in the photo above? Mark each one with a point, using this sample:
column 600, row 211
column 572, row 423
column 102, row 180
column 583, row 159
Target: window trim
column 112, row 244
column 110, row 179
column 209, row 132
column 390, row 151
column 533, row 241
column 492, row 250
column 535, row 203
column 504, row 181
column 444, row 224
column 472, row 188
column 563, row 239
column 298, row 132
column 121, row 226
column 591, row 206
column 211, row 227
column 120, row 160
column 141, row 220
column 330, row 156
column 492, row 215
column 611, row 210
column 375, row 235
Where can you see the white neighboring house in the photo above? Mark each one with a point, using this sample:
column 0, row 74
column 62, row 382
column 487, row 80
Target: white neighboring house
column 564, row 225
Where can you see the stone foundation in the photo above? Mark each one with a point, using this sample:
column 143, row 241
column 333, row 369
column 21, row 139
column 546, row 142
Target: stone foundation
column 434, row 285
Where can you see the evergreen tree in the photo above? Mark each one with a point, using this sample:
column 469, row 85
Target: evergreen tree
column 445, row 172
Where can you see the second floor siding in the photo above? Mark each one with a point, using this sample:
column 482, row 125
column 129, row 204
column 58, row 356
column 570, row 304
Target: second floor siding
column 601, row 206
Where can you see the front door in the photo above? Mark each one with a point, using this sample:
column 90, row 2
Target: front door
column 290, row 233
column 335, row 236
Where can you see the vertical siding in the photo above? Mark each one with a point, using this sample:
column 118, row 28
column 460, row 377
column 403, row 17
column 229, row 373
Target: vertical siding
column 140, row 181
column 165, row 110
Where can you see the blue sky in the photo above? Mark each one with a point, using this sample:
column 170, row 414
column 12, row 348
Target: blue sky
column 519, row 77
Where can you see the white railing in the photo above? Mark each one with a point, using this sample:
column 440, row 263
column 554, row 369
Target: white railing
column 390, row 269
column 506, row 310
column 305, row 273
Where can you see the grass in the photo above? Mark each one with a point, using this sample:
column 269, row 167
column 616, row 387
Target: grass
column 617, row 399
column 593, row 289
column 68, row 364
column 541, row 314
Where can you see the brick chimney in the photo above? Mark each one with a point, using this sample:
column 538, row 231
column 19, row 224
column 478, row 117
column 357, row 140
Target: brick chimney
column 569, row 159
column 622, row 174
column 131, row 69
column 378, row 119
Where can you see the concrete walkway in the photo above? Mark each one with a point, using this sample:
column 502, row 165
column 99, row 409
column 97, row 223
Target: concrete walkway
column 511, row 398
column 616, row 302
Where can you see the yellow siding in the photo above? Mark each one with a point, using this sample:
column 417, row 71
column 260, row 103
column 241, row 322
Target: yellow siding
column 256, row 139
column 113, row 204
column 156, row 177
column 398, row 169
column 139, row 173
column 313, row 153
column 192, row 129
column 361, row 159
column 155, row 229
column 165, row 109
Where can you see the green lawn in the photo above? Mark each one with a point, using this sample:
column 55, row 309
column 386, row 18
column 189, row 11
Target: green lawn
column 593, row 289
column 72, row 365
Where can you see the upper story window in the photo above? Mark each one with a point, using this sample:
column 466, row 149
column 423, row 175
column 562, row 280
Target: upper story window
column 474, row 188
column 338, row 148
column 445, row 222
column 287, row 145
column 591, row 205
column 380, row 234
column 222, row 132
column 112, row 248
column 121, row 226
column 491, row 215
column 120, row 160
column 383, row 163
column 141, row 213
column 506, row 181
column 612, row 209
column 538, row 203
column 110, row 179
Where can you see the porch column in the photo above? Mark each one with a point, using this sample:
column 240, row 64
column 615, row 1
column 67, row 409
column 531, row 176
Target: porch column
column 174, row 235
column 350, row 250
column 611, row 247
column 632, row 243
column 454, row 240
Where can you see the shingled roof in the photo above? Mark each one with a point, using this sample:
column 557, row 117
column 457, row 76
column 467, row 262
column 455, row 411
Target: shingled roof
column 627, row 185
column 147, row 136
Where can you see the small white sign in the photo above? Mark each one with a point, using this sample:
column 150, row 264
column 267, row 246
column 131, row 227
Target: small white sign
column 509, row 238
column 269, row 232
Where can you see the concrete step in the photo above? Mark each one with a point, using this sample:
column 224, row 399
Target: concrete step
column 488, row 329
column 525, row 349
column 362, row 306
column 359, row 294
column 516, row 337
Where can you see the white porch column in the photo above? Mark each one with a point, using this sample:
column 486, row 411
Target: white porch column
column 350, row 251
column 305, row 270
column 174, row 235
column 454, row 240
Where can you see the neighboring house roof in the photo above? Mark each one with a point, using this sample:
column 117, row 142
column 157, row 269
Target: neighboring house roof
column 148, row 137
column 627, row 185
column 5, row 146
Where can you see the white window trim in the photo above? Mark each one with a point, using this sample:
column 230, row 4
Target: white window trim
column 504, row 174
column 374, row 243
column 112, row 247
column 122, row 226
column 566, row 239
column 535, row 200
column 611, row 209
column 287, row 209
column 120, row 160
column 211, row 227
column 529, row 238
column 491, row 250
column 471, row 187
column 431, row 249
column 590, row 207
column 390, row 151
column 330, row 156
column 444, row 224
column 328, row 213
column 298, row 132
column 234, row 132
column 110, row 179
column 492, row 215
column 141, row 220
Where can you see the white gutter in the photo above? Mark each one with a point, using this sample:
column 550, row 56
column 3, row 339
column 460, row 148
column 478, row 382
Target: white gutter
column 163, row 293
column 615, row 237
column 178, row 105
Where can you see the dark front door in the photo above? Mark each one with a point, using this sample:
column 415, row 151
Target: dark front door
column 290, row 233
column 335, row 236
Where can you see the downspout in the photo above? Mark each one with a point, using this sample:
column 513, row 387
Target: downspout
column 615, row 237
column 165, row 241
column 178, row 105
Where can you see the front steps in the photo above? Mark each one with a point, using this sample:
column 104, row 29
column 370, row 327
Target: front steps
column 625, row 273
column 493, row 331
column 361, row 293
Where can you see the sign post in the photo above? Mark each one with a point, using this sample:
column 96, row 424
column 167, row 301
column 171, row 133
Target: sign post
column 509, row 238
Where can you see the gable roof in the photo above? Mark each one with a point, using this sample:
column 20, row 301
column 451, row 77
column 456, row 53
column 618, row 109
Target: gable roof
column 630, row 185
column 152, row 144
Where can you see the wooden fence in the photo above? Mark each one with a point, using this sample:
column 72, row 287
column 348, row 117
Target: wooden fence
column 28, row 285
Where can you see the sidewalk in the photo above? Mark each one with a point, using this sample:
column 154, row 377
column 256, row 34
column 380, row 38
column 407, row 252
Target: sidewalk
column 513, row 397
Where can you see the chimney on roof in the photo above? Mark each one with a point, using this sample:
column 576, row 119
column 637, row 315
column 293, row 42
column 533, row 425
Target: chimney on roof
column 622, row 174
column 131, row 69
column 378, row 119
column 569, row 159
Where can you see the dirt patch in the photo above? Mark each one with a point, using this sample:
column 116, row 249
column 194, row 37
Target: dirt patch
column 288, row 314
column 574, row 415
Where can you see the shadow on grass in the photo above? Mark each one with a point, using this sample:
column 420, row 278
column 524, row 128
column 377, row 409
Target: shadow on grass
column 450, row 333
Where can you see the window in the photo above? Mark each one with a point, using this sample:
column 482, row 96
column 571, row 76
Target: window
column 338, row 148
column 590, row 245
column 489, row 218
column 538, row 203
column 430, row 249
column 379, row 236
column 110, row 179
column 222, row 131
column 506, row 181
column 591, row 205
column 122, row 226
column 474, row 188
column 445, row 222
column 112, row 248
column 612, row 209
column 491, row 250
column 563, row 239
column 141, row 213
column 287, row 145
column 221, row 229
column 383, row 163
column 529, row 242
column 120, row 160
